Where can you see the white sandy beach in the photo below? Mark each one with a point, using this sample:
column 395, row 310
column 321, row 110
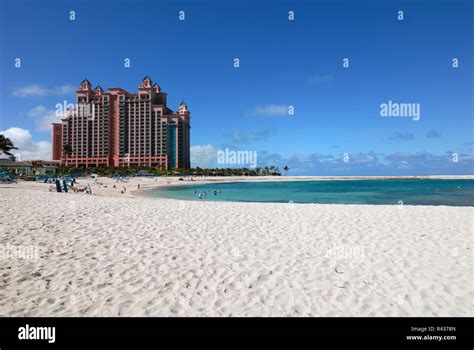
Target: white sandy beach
column 109, row 254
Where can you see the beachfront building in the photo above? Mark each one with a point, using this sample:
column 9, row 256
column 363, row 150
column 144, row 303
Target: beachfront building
column 43, row 167
column 118, row 128
column 11, row 166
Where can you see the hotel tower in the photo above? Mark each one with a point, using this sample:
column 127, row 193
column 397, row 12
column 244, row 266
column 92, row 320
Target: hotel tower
column 117, row 128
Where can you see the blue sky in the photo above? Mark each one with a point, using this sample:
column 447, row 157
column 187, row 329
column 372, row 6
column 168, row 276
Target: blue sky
column 282, row 63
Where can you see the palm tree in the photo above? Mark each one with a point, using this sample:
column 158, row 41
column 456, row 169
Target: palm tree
column 286, row 169
column 67, row 150
column 6, row 145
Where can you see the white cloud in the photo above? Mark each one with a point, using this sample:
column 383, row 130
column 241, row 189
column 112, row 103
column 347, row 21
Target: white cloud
column 271, row 110
column 30, row 90
column 65, row 89
column 38, row 90
column 28, row 149
column 36, row 111
column 203, row 156
column 371, row 163
column 44, row 123
column 44, row 117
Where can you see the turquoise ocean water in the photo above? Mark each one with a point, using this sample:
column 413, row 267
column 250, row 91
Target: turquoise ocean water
column 410, row 192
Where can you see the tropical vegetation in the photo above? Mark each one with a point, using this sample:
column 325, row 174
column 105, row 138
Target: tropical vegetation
column 6, row 145
column 155, row 171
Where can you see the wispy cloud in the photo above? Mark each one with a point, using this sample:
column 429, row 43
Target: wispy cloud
column 402, row 136
column 320, row 78
column 270, row 110
column 371, row 163
column 37, row 111
column 433, row 134
column 38, row 90
column 43, row 117
column 362, row 163
column 245, row 137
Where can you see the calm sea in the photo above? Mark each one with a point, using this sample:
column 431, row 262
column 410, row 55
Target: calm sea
column 410, row 192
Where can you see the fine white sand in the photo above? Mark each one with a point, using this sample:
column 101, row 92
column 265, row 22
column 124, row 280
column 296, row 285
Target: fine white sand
column 109, row 254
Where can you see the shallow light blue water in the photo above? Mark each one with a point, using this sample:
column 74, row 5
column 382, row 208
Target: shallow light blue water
column 410, row 192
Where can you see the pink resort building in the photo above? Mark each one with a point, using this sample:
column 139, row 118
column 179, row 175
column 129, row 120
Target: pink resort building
column 118, row 128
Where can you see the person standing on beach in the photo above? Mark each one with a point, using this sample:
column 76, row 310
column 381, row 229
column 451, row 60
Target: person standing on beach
column 139, row 186
column 58, row 185
column 65, row 185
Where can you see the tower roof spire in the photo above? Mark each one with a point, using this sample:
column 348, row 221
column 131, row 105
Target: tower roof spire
column 146, row 82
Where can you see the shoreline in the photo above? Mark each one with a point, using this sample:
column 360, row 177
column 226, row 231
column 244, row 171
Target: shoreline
column 205, row 180
column 256, row 179
column 104, row 185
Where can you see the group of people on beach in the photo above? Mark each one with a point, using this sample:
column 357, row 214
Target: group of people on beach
column 124, row 189
column 203, row 194
column 62, row 185
column 58, row 185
